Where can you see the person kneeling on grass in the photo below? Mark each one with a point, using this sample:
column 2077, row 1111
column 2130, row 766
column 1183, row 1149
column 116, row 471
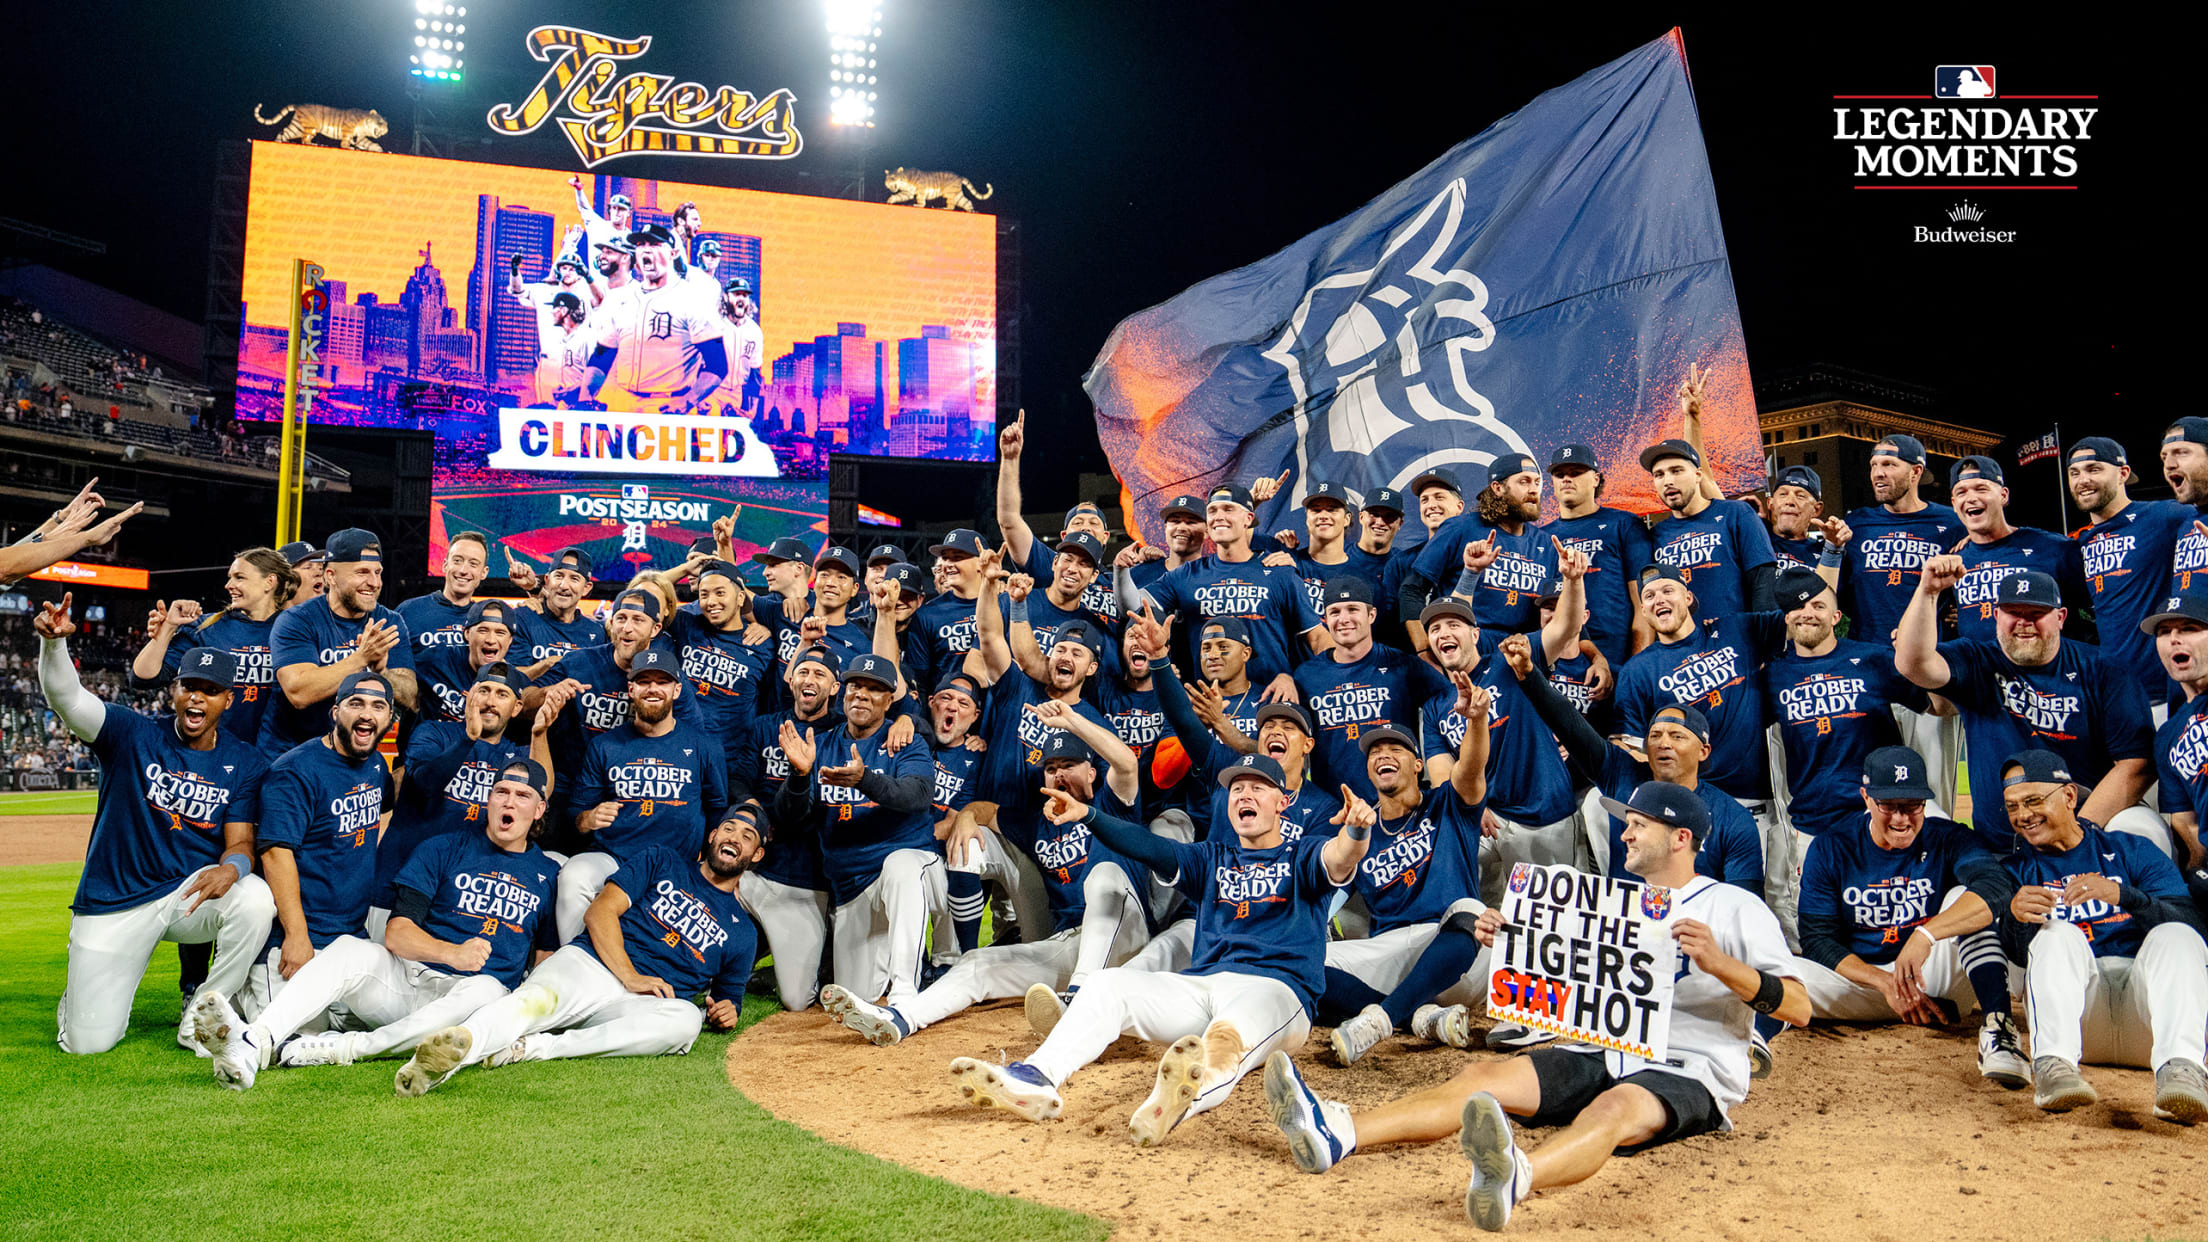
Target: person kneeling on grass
column 1258, row 965
column 1733, row 964
column 665, row 928
column 473, row 913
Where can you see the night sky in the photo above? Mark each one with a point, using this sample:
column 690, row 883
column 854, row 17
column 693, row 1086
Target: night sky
column 1146, row 146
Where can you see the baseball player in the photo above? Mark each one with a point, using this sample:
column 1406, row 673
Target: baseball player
column 2179, row 629
column 321, row 809
column 1029, row 556
column 946, row 623
column 829, row 623
column 258, row 583
column 472, row 916
column 1324, row 551
column 171, row 854
column 1733, row 964
column 655, row 778
column 323, row 642
column 565, row 347
column 2030, row 688
column 1615, row 545
column 1357, row 686
column 1439, row 499
column 872, row 802
column 787, row 894
column 1797, row 510
column 1232, row 582
column 1994, row 549
column 309, row 561
column 1897, row 912
column 1257, row 968
column 1065, row 594
column 488, row 633
column 613, row 224
column 2115, row 972
column 662, row 348
column 724, row 658
column 741, row 339
column 1719, row 547
column 2185, row 465
column 439, row 618
column 559, row 623
column 666, row 927
column 1505, row 562
column 2127, row 551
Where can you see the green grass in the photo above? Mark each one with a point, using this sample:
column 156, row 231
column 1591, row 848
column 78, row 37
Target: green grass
column 140, row 1142
column 65, row 802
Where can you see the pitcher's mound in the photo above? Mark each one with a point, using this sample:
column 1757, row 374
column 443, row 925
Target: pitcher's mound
column 1861, row 1134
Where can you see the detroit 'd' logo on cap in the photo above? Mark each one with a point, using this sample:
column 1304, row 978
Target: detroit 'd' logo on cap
column 1900, row 774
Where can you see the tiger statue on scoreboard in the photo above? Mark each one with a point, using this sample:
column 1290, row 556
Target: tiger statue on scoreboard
column 347, row 127
column 908, row 185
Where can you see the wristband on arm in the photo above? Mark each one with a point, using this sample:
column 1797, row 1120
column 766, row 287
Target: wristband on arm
column 1770, row 993
column 1019, row 611
column 240, row 864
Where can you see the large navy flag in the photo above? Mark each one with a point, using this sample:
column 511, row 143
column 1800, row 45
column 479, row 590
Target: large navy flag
column 1546, row 282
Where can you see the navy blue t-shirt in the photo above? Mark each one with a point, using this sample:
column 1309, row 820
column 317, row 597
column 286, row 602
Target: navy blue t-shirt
column 601, row 705
column 2127, row 562
column 323, row 807
column 312, row 634
column 2075, row 706
column 1883, row 560
column 1798, row 553
column 1617, row 547
column 1715, row 550
column 2181, row 760
column 2122, row 857
column 1138, row 720
column 1867, row 898
column 672, row 788
column 1259, row 911
column 247, row 641
column 1356, row 563
column 793, row 855
column 1012, row 768
column 856, row 832
column 162, row 806
column 1097, row 605
column 1986, row 564
column 1270, row 601
column 479, row 891
column 434, row 621
column 681, row 929
column 1716, row 668
column 1508, row 593
column 957, row 776
column 725, row 675
column 1064, row 853
column 1732, row 851
column 1832, row 711
column 1348, row 700
column 419, row 814
column 1421, row 864
column 1528, row 781
column 946, row 628
column 539, row 636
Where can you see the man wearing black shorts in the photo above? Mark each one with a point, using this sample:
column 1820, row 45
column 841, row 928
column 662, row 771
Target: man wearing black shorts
column 1733, row 963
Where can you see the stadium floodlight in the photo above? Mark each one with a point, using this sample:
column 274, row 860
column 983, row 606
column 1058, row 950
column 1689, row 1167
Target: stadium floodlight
column 439, row 43
column 854, row 34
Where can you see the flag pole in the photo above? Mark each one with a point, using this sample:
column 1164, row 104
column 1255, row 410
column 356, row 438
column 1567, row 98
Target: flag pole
column 2062, row 489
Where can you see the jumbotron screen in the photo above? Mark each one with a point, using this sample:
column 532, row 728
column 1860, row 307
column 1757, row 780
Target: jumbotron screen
column 661, row 354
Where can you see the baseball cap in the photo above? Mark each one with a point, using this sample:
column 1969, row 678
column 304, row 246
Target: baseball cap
column 1802, row 477
column 1908, row 448
column 1510, row 465
column 1796, row 587
column 1263, row 767
column 208, row 664
column 575, row 559
column 910, row 579
column 2192, row 429
column 651, row 235
column 354, row 544
column 737, row 285
column 1231, row 494
column 1975, row 467
column 955, row 684
column 1671, row 572
column 822, row 656
column 1574, row 456
column 1369, row 738
column 1332, row 493
column 1895, row 772
column 566, row 301
column 960, row 540
column 299, row 552
column 1435, row 478
column 1080, row 632
column 618, row 200
column 1384, row 500
column 703, row 545
column 720, row 569
column 842, row 558
column 568, row 258
column 1064, row 747
column 1286, row 711
column 645, row 602
column 1690, row 716
column 1084, row 543
column 527, row 771
column 1447, row 606
column 884, row 554
column 504, row 674
column 1079, row 509
column 658, row 658
column 2030, row 589
column 709, row 246
column 365, row 683
column 1234, row 628
column 2184, row 606
column 2099, row 448
column 1665, row 803
column 783, row 549
column 495, row 610
column 881, row 670
column 2036, row 767
column 620, row 244
column 1187, row 506
column 1669, row 448
column 1347, row 589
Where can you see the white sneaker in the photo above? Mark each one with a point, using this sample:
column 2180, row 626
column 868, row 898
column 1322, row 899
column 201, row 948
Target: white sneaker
column 879, row 1025
column 1319, row 1132
column 434, row 1060
column 2001, row 1053
column 1500, row 1174
column 1444, row 1024
column 515, row 1051
column 1356, row 1037
column 330, row 1048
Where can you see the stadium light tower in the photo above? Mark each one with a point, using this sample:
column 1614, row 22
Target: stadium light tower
column 854, row 33
column 440, row 47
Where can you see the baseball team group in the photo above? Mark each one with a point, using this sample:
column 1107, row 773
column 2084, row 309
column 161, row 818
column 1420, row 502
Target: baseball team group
column 1211, row 792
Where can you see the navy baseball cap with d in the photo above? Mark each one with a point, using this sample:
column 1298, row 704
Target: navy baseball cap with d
column 1671, row 572
column 1084, row 508
column 646, row 602
column 1369, row 738
column 366, row 683
column 2035, row 767
column 1080, row 632
column 2030, row 589
column 211, row 664
column 1448, row 606
column 2099, row 448
column 1291, row 712
column 566, row 301
column 1183, row 506
column 354, row 544
column 1347, row 589
column 1665, row 803
column 785, row 549
column 884, row 554
column 1328, row 493
column 575, row 559
column 709, row 246
column 963, row 541
column 1797, row 587
column 1802, row 477
column 1064, row 747
column 651, row 235
column 1082, row 543
column 1263, row 767
column 1231, row 494
column 659, row 659
column 880, row 670
column 1896, row 772
column 2192, row 429
column 1907, row 449
column 909, row 579
column 823, row 657
column 1669, row 448
column 1574, row 457
column 842, row 558
column 1435, row 478
column 299, row 552
column 1968, row 468
column 1233, row 628
column 2184, row 606
column 1510, row 466
column 1384, row 500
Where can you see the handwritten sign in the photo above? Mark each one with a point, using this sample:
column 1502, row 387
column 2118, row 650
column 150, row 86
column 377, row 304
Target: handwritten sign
column 1588, row 957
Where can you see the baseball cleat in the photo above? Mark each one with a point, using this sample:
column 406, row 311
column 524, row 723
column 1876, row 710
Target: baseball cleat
column 1045, row 1008
column 1500, row 1174
column 1018, row 1088
column 1180, row 1080
column 1444, row 1024
column 1759, row 1055
column 2001, row 1054
column 434, row 1060
column 1357, row 1036
column 515, row 1051
column 331, row 1048
column 2058, row 1087
column 880, row 1026
column 2180, row 1091
column 1318, row 1131
column 1513, row 1037
column 212, row 1021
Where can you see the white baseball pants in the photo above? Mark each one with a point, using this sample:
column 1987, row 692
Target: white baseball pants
column 387, row 1002
column 2141, row 1010
column 1161, row 1008
column 108, row 954
column 582, row 878
column 572, row 1006
column 1112, row 930
column 1383, row 961
column 795, row 922
column 880, row 934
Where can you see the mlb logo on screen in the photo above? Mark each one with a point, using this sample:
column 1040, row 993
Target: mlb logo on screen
column 1963, row 82
column 636, row 491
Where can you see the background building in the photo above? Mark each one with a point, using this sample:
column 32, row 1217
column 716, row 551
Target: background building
column 1829, row 418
